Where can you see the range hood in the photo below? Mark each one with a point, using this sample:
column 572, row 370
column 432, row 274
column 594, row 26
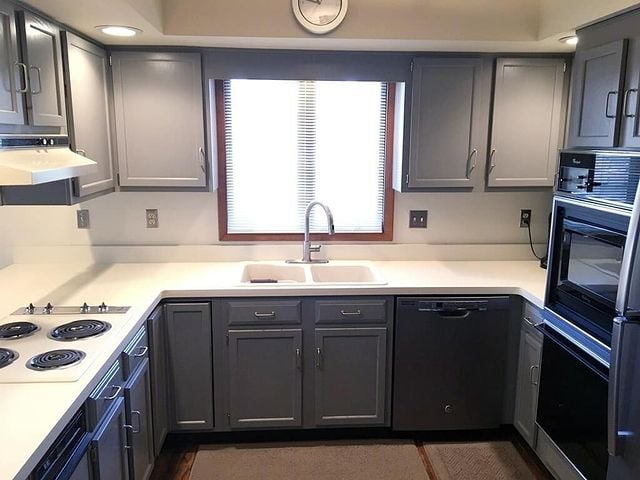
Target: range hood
column 31, row 160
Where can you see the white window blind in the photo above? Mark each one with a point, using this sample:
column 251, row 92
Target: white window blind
column 288, row 143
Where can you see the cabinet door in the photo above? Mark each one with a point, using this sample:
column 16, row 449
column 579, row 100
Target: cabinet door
column 137, row 395
column 159, row 119
column 527, row 385
column 87, row 91
column 11, row 77
column 630, row 128
column 526, row 129
column 158, row 366
column 110, row 446
column 42, row 55
column 350, row 376
column 188, row 334
column 265, row 378
column 448, row 132
column 597, row 83
column 82, row 470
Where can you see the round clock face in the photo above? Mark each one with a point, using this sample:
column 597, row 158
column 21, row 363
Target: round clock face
column 319, row 16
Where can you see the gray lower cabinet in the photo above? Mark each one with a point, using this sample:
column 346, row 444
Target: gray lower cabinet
column 597, row 95
column 265, row 378
column 526, row 404
column 158, row 367
column 350, row 376
column 159, row 96
column 189, row 354
column 87, row 89
column 82, row 470
column 137, row 394
column 109, row 446
column 41, row 53
column 448, row 123
column 527, row 126
column 11, row 74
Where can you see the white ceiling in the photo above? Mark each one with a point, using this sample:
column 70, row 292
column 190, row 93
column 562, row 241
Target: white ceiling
column 407, row 25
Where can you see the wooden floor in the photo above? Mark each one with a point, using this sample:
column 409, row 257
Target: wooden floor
column 179, row 452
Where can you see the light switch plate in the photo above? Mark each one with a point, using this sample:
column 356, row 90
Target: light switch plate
column 152, row 217
column 82, row 218
column 418, row 218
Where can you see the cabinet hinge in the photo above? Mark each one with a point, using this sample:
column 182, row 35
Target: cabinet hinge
column 227, row 342
column 228, row 418
column 564, row 67
column 110, row 61
column 406, row 179
column 92, row 453
column 411, row 66
column 118, row 178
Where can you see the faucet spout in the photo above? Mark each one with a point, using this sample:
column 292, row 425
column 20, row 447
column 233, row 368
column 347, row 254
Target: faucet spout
column 307, row 248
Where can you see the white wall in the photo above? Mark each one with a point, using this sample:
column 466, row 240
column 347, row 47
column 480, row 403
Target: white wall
column 191, row 219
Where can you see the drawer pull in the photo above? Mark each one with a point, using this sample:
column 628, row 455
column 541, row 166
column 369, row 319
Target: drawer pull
column 142, row 351
column 128, row 427
column 530, row 322
column 116, row 389
column 264, row 314
column 298, row 359
column 354, row 313
column 318, row 358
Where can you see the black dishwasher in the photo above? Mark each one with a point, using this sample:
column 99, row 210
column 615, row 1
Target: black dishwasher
column 450, row 362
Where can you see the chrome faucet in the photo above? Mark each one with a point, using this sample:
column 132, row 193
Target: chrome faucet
column 307, row 248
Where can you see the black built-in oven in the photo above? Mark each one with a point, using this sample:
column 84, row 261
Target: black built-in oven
column 587, row 246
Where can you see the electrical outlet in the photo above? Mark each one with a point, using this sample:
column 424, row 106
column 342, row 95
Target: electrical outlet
column 418, row 218
column 525, row 218
column 152, row 218
column 82, row 218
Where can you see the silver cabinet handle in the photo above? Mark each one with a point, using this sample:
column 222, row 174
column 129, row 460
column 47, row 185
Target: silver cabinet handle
column 137, row 415
column 298, row 359
column 606, row 106
column 531, row 370
column 80, row 151
column 142, row 351
column 203, row 165
column 354, row 313
column 24, row 77
column 492, row 162
column 264, row 314
column 128, row 427
column 625, row 107
column 318, row 358
column 39, row 72
column 472, row 156
column 116, row 389
column 531, row 322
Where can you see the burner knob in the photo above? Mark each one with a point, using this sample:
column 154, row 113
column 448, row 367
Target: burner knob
column 102, row 308
column 48, row 309
column 30, row 309
column 85, row 308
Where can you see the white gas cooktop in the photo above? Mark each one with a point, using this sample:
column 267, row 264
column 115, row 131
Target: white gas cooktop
column 54, row 344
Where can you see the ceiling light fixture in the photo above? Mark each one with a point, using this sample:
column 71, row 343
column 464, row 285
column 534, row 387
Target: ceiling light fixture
column 118, row 30
column 569, row 40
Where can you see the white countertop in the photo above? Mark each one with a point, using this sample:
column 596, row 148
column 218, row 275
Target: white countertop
column 32, row 415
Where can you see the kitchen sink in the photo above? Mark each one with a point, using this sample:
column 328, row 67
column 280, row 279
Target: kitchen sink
column 273, row 274
column 351, row 274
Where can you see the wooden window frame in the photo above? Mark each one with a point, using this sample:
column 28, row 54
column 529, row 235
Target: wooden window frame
column 387, row 222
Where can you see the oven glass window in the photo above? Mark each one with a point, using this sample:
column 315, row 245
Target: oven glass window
column 592, row 259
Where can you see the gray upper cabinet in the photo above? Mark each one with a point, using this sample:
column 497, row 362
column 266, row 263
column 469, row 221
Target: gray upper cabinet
column 597, row 95
column 527, row 384
column 350, row 376
column 159, row 119
column 188, row 335
column 41, row 53
column 527, row 126
column 265, row 378
column 87, row 89
column 448, row 128
column 137, row 396
column 11, row 71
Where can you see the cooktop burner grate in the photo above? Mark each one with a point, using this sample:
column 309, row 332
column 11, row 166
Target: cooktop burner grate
column 55, row 359
column 79, row 329
column 17, row 329
column 7, row 357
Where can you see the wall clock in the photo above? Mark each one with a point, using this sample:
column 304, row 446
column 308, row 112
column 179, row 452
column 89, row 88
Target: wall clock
column 319, row 16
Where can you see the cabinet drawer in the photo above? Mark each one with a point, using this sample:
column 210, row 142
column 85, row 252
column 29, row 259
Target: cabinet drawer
column 135, row 353
column 264, row 312
column 350, row 311
column 105, row 394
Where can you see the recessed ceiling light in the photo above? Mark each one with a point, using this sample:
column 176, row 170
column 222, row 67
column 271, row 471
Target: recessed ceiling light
column 118, row 30
column 569, row 40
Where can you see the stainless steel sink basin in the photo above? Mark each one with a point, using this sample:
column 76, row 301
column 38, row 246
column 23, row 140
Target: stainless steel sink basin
column 272, row 274
column 347, row 274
